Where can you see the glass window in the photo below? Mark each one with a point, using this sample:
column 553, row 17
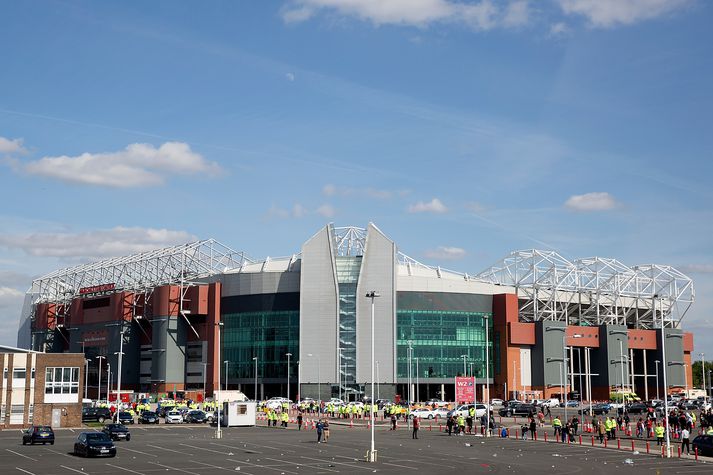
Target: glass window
column 19, row 373
column 63, row 380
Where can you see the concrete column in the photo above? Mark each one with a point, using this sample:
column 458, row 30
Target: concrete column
column 443, row 392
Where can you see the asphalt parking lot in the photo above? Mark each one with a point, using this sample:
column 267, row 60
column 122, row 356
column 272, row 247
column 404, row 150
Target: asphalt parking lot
column 194, row 450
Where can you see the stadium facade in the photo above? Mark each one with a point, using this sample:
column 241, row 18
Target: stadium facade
column 594, row 325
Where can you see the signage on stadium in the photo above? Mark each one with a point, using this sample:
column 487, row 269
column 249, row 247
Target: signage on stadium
column 465, row 390
column 97, row 288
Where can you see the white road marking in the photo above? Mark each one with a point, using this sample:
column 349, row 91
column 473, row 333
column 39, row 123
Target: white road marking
column 125, row 469
column 139, row 452
column 75, row 470
column 59, row 453
column 352, row 465
column 25, row 471
column 402, row 466
column 221, row 468
column 301, row 465
column 207, row 450
column 21, row 455
column 260, row 466
column 174, row 468
column 168, row 450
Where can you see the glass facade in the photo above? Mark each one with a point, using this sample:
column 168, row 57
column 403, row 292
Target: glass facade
column 440, row 335
column 266, row 326
column 348, row 268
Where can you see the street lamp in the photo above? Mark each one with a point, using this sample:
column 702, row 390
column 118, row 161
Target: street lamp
column 372, row 453
column 339, row 370
column 288, row 374
column 410, row 396
column 377, row 380
column 587, row 362
column 417, row 394
column 226, row 374
column 99, row 384
column 685, row 380
column 120, row 353
column 108, row 380
column 319, row 378
column 665, row 377
column 255, row 359
column 703, row 372
column 465, row 372
column 487, row 375
column 218, row 432
column 564, row 364
column 205, row 371
column 86, row 376
column 657, row 379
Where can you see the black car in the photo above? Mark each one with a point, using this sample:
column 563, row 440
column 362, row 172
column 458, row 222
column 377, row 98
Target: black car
column 34, row 434
column 148, row 417
column 117, row 431
column 126, row 418
column 518, row 410
column 196, row 416
column 96, row 414
column 94, row 444
column 597, row 409
column 704, row 444
column 637, row 408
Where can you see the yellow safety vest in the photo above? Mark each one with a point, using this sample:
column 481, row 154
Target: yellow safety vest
column 659, row 431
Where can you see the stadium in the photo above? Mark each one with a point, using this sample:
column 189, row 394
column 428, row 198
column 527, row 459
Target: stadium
column 185, row 314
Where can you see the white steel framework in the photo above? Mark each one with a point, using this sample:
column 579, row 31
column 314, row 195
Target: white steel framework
column 592, row 291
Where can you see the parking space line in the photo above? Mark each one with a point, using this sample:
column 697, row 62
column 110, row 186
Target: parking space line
column 139, row 452
column 397, row 465
column 75, row 470
column 168, row 450
column 339, row 463
column 300, row 464
column 261, row 466
column 124, row 469
column 59, row 453
column 174, row 468
column 208, row 450
column 257, row 445
column 25, row 471
column 21, row 455
column 220, row 468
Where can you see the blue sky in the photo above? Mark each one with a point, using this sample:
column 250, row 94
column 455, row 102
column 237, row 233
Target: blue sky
column 463, row 129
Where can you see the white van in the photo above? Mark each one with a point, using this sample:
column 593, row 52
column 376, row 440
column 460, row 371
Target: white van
column 551, row 402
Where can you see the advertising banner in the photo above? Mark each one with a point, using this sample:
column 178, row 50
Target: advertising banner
column 465, row 390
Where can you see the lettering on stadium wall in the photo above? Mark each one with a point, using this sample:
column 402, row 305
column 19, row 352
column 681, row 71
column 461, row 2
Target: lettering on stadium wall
column 94, row 289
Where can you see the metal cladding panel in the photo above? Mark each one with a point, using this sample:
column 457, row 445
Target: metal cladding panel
column 319, row 309
column 547, row 356
column 260, row 283
column 606, row 360
column 378, row 273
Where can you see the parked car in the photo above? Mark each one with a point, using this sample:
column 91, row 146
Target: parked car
column 423, row 413
column 117, row 431
column 437, row 402
column 126, row 418
column 173, row 417
column 521, row 409
column 571, row 403
column 597, row 409
column 96, row 414
column 464, row 410
column 276, row 402
column 496, row 402
column 440, row 412
column 148, row 417
column 637, row 408
column 552, row 402
column 704, row 444
column 94, row 444
column 34, row 434
column 196, row 417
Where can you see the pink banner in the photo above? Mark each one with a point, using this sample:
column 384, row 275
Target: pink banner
column 465, row 390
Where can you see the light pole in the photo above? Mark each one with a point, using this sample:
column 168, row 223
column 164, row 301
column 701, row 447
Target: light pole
column 703, row 372
column 255, row 359
column 339, row 370
column 299, row 380
column 118, row 379
column 487, row 375
column 288, row 374
column 587, row 357
column 465, row 372
column 218, row 432
column 621, row 362
column 685, row 380
column 86, row 377
column 372, row 453
column 377, row 380
column 665, row 378
column 108, row 380
column 417, row 392
column 410, row 397
column 319, row 378
column 99, row 384
column 205, row 371
column 226, row 374
column 657, row 379
column 564, row 364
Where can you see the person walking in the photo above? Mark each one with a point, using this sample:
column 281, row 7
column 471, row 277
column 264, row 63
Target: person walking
column 601, row 430
column 299, row 420
column 449, row 425
column 320, row 428
column 325, row 429
column 685, row 440
column 393, row 421
column 557, row 426
column 461, row 425
column 533, row 428
column 416, row 426
column 659, row 433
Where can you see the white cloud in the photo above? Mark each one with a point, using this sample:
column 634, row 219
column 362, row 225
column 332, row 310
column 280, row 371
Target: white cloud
column 326, row 210
column 299, row 211
column 433, row 206
column 8, row 146
column 136, row 165
column 482, row 15
column 445, row 253
column 290, row 77
column 334, row 190
column 116, row 241
column 696, row 268
column 608, row 13
column 596, row 201
column 559, row 29
column 475, row 207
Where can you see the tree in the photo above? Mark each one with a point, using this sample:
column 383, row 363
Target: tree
column 697, row 375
